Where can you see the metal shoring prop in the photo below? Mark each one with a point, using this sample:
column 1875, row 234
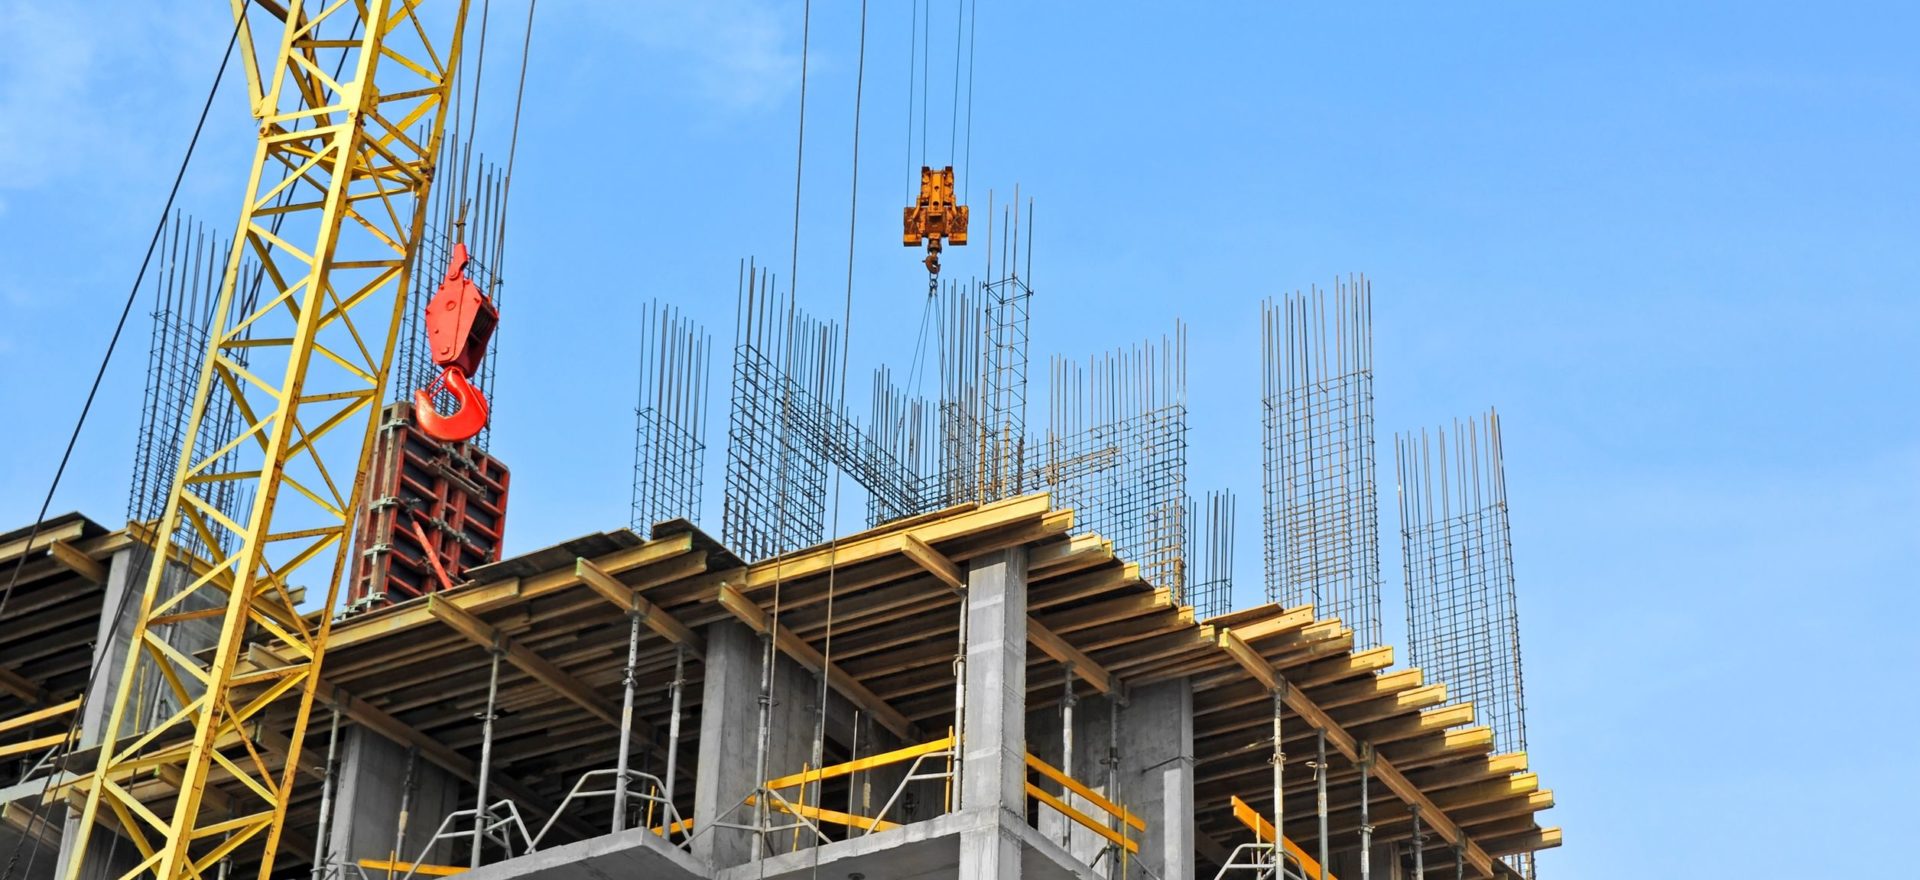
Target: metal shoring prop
column 760, row 746
column 673, row 719
column 1459, row 862
column 626, row 721
column 1279, row 786
column 406, row 805
column 1066, row 748
column 1366, row 825
column 481, row 813
column 329, row 770
column 1320, row 794
column 1115, row 702
column 1419, row 847
column 959, row 708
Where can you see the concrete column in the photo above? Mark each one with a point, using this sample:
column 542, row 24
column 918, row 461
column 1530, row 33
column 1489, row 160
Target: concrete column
column 993, row 769
column 1156, row 776
column 729, row 720
column 366, row 800
column 729, row 742
column 113, row 638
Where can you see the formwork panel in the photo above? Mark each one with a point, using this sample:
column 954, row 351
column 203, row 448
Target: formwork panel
column 428, row 502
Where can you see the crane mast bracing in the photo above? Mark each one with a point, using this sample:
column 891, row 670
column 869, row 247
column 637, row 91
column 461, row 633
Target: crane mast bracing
column 333, row 211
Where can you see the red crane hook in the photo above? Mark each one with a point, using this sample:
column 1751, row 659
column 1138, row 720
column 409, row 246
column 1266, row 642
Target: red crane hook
column 460, row 319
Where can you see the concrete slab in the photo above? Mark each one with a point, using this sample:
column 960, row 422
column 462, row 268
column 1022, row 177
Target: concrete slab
column 927, row 850
column 624, row 856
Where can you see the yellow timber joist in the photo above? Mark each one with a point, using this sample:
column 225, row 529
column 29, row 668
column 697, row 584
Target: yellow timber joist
column 351, row 102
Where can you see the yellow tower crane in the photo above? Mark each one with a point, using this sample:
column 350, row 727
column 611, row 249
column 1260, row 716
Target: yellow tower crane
column 351, row 100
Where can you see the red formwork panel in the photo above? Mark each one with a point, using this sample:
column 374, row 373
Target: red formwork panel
column 429, row 503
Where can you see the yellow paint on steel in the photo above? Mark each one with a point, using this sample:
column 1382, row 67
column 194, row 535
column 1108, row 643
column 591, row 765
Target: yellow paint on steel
column 333, row 214
column 1075, row 786
column 1263, row 832
column 861, row 764
column 836, row 817
column 1082, row 819
column 394, row 867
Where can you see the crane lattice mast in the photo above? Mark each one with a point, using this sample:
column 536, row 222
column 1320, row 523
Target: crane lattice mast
column 351, row 100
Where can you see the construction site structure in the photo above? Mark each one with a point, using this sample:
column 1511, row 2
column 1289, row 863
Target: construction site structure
column 988, row 690
column 1004, row 675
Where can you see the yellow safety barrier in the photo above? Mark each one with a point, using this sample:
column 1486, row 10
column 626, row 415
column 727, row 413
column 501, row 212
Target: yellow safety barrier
column 810, row 776
column 836, row 817
column 398, row 868
column 31, row 718
column 1263, row 832
column 1124, row 816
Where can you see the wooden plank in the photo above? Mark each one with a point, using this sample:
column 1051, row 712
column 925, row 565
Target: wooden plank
column 47, row 537
column 1545, row 838
column 80, row 563
column 793, row 646
column 1344, row 742
column 18, row 685
column 936, row 564
column 629, row 599
column 843, row 554
column 1056, row 647
column 486, row 636
column 481, row 598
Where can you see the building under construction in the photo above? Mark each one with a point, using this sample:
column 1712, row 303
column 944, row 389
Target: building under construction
column 1031, row 661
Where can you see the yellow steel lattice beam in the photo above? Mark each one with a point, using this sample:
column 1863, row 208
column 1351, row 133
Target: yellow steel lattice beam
column 302, row 340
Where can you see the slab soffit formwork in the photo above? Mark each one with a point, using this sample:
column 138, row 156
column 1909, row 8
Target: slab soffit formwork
column 895, row 593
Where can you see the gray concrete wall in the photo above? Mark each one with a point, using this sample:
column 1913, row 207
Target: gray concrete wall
column 366, row 816
column 729, row 746
column 1156, row 776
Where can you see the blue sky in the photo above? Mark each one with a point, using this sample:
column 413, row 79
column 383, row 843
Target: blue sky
column 1673, row 243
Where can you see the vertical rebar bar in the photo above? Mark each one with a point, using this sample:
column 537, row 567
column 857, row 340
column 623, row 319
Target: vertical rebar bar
column 1321, row 516
column 1463, row 622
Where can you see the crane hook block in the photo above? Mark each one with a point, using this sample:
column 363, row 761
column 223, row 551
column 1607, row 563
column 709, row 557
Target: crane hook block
column 460, row 320
column 935, row 218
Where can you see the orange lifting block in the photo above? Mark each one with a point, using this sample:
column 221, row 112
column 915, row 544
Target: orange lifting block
column 935, row 217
